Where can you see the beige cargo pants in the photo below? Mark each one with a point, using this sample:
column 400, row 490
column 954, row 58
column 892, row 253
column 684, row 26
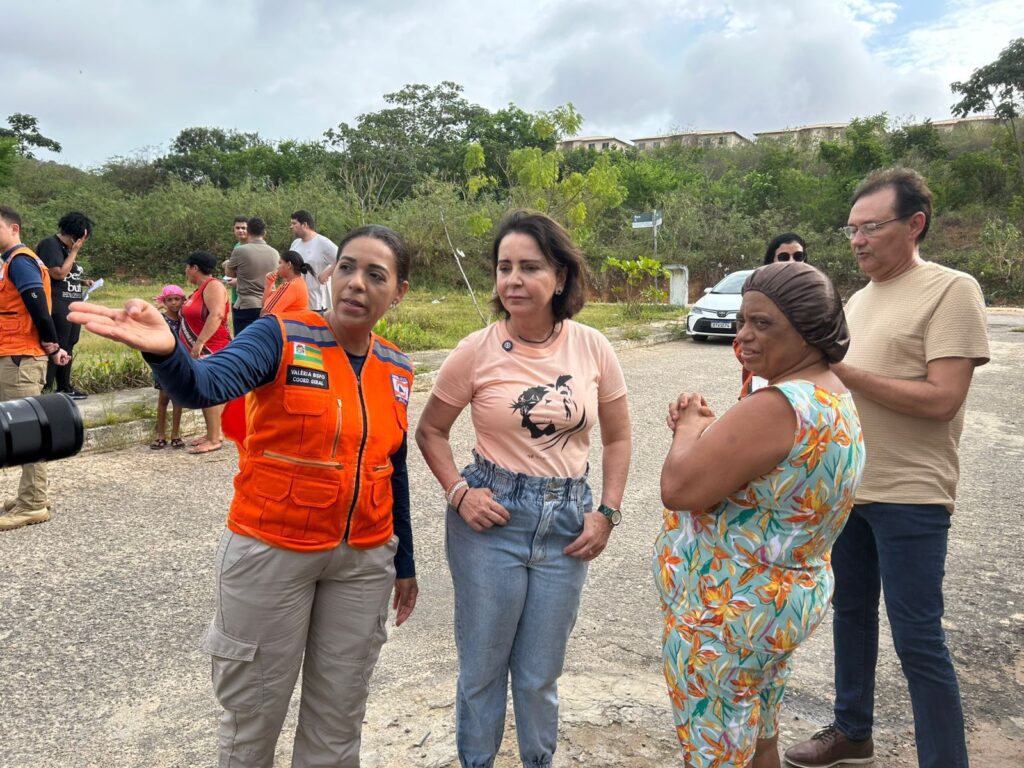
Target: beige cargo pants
column 23, row 380
column 277, row 610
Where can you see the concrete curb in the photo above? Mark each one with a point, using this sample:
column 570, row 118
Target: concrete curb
column 111, row 437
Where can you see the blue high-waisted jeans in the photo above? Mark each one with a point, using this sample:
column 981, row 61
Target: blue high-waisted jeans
column 516, row 600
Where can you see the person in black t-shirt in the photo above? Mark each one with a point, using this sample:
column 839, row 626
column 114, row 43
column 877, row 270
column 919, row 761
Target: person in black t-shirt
column 60, row 254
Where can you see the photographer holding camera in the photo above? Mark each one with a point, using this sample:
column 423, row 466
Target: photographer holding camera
column 28, row 339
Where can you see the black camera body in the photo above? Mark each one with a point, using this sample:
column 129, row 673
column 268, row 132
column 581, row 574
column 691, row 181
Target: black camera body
column 41, row 428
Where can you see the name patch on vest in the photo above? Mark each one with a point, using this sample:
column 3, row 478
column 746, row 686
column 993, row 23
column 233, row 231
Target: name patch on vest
column 400, row 385
column 306, row 377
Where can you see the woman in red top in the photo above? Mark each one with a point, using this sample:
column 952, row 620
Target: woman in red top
column 292, row 295
column 204, row 330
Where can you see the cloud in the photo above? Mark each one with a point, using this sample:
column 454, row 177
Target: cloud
column 970, row 35
column 128, row 75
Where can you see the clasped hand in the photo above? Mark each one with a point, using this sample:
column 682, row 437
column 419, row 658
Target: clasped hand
column 690, row 410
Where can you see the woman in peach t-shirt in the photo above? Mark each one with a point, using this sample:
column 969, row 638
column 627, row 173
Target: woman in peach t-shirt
column 292, row 295
column 521, row 523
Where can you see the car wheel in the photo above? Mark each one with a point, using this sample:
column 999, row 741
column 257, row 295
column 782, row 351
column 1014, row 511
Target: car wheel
column 699, row 337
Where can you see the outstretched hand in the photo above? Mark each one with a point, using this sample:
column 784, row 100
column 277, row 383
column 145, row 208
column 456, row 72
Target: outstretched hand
column 139, row 325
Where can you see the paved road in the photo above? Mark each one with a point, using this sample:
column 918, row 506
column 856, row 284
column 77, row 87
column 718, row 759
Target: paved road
column 101, row 609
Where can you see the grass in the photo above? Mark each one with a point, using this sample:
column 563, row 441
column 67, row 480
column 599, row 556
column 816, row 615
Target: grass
column 424, row 320
column 135, row 412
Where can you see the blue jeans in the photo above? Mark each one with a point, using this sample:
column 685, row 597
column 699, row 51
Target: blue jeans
column 901, row 548
column 516, row 600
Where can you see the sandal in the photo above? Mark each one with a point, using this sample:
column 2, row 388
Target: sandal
column 157, row 444
column 205, row 448
column 198, row 441
column 177, row 442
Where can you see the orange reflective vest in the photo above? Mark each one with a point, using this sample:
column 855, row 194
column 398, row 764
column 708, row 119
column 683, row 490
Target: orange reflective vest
column 18, row 334
column 316, row 465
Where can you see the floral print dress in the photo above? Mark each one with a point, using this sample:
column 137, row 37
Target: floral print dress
column 743, row 583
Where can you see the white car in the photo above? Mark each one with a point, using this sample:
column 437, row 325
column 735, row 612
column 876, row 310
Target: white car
column 714, row 313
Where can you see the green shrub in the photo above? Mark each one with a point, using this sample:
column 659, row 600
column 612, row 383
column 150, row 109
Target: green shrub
column 108, row 372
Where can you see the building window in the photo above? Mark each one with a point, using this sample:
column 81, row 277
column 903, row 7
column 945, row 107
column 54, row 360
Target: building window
column 604, row 145
column 641, row 145
column 590, row 145
column 657, row 145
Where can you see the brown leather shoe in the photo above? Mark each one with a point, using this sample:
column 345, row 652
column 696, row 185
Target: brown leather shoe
column 829, row 747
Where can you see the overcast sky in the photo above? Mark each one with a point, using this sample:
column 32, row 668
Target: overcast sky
column 119, row 77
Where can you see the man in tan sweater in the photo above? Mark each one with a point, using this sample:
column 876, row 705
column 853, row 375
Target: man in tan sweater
column 917, row 332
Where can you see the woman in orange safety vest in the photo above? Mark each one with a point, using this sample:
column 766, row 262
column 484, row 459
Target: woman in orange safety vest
column 318, row 535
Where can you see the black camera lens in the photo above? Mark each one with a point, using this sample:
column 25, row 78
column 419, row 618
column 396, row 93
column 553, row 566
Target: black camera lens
column 43, row 428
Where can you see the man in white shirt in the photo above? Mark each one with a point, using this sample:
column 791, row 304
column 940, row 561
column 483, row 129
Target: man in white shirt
column 319, row 253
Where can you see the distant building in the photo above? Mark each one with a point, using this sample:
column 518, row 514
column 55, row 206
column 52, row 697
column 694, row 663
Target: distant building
column 691, row 139
column 805, row 135
column 965, row 123
column 600, row 143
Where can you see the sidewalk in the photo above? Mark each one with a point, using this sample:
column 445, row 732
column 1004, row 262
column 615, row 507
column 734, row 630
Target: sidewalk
column 117, row 419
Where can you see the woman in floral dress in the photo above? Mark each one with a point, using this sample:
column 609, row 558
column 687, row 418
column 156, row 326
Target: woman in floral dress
column 754, row 501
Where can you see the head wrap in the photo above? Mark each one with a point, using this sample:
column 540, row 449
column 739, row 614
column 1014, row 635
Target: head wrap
column 809, row 301
column 170, row 290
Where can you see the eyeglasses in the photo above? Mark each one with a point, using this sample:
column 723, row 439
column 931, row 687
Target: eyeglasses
column 796, row 256
column 870, row 229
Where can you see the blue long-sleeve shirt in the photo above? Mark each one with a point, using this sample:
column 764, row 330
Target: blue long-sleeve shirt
column 250, row 361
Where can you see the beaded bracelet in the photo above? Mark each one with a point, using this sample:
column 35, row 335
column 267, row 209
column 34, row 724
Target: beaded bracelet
column 450, row 493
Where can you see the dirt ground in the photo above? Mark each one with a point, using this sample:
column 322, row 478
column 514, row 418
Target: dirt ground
column 101, row 609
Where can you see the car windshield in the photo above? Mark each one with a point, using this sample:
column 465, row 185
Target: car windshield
column 732, row 283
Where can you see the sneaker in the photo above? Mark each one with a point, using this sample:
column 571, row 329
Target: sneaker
column 74, row 394
column 829, row 747
column 19, row 517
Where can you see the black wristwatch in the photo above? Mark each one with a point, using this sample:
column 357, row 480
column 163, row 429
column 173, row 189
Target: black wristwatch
column 611, row 514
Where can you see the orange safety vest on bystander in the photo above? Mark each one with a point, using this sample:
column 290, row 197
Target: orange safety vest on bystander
column 18, row 334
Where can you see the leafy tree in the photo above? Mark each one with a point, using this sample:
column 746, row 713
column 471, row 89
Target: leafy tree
column 8, row 153
column 862, row 148
column 200, row 155
column 135, row 175
column 978, row 177
column 24, row 129
column 500, row 133
column 998, row 86
column 922, row 138
column 231, row 158
column 422, row 133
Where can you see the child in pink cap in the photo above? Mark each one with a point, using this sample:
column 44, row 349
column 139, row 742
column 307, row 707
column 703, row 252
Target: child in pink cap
column 169, row 300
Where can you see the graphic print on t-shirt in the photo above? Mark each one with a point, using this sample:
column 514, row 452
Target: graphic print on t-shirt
column 550, row 413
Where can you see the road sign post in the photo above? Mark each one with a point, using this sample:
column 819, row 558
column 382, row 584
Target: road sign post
column 651, row 220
